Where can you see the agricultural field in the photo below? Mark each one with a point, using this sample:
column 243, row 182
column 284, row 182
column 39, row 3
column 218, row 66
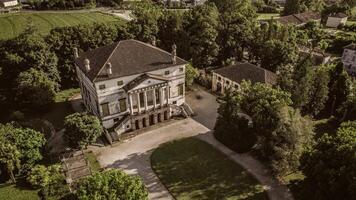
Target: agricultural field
column 13, row 24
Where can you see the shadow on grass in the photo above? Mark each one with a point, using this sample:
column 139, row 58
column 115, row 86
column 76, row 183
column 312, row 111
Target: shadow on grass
column 192, row 169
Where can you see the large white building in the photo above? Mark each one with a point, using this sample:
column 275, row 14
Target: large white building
column 130, row 85
column 349, row 59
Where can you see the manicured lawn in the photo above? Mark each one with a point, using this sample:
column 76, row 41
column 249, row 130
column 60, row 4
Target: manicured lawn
column 193, row 169
column 93, row 162
column 64, row 95
column 15, row 23
column 267, row 16
column 12, row 192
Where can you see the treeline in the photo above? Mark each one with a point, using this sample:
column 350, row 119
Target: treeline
column 71, row 4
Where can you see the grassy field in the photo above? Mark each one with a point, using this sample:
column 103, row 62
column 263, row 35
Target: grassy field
column 13, row 24
column 12, row 192
column 193, row 169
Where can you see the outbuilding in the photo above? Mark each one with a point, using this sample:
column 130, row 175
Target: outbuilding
column 336, row 19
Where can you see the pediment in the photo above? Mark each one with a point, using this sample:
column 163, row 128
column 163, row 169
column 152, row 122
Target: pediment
column 145, row 81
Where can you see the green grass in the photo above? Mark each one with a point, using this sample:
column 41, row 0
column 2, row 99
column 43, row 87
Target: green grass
column 15, row 23
column 12, row 192
column 267, row 16
column 193, row 169
column 64, row 95
column 93, row 162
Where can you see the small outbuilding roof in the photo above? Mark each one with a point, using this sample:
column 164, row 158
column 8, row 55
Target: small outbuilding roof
column 247, row 71
column 301, row 18
column 338, row 15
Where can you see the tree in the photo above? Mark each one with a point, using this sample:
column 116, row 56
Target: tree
column 35, row 89
column 293, row 7
column 237, row 21
column 191, row 73
column 318, row 92
column 28, row 143
column 81, row 129
column 9, row 156
column 112, row 184
column 200, row 25
column 330, row 166
column 145, row 20
column 349, row 106
column 232, row 128
column 41, row 176
column 170, row 31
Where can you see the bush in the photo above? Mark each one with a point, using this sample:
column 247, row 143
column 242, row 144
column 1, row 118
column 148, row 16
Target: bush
column 350, row 27
column 81, row 129
column 112, row 184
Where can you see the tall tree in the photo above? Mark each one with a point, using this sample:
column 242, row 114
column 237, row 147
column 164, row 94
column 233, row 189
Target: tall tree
column 237, row 21
column 145, row 22
column 9, row 156
column 330, row 166
column 200, row 25
column 35, row 90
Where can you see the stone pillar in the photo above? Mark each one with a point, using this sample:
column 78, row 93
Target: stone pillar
column 133, row 125
column 154, row 98
column 222, row 85
column 167, row 94
column 138, row 102
column 130, row 102
column 140, row 124
column 145, row 99
column 155, row 118
column 161, row 100
column 147, row 119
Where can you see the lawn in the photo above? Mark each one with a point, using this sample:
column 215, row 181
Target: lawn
column 93, row 162
column 13, row 192
column 193, row 169
column 267, row 16
column 15, row 23
column 64, row 95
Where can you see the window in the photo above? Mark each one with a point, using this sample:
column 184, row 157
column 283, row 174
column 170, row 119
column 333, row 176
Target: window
column 149, row 98
column 119, row 83
column 166, row 72
column 180, row 89
column 122, row 105
column 116, row 120
column 157, row 95
column 227, row 82
column 101, row 87
column 174, row 102
column 105, row 109
column 142, row 101
column 219, row 78
column 181, row 69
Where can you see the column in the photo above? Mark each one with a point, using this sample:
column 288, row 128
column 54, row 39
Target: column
column 138, row 102
column 167, row 94
column 154, row 98
column 161, row 96
column 155, row 120
column 140, row 124
column 145, row 99
column 131, row 106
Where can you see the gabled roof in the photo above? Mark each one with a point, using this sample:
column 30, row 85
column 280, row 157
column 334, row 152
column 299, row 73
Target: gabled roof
column 351, row 46
column 127, row 57
column 338, row 15
column 300, row 18
column 247, row 71
column 318, row 56
column 138, row 80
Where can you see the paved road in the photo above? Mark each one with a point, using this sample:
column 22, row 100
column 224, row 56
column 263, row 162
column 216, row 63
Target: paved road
column 204, row 107
column 133, row 156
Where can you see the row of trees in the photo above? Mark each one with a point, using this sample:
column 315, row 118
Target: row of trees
column 299, row 6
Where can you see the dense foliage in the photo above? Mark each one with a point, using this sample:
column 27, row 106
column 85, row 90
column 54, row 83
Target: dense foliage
column 330, row 166
column 112, row 184
column 81, row 129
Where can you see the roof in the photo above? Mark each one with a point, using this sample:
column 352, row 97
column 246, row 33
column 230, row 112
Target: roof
column 300, row 18
column 318, row 56
column 351, row 46
column 338, row 15
column 247, row 71
column 127, row 57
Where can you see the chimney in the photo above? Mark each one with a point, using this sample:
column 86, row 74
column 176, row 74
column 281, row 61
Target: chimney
column 174, row 53
column 108, row 69
column 153, row 41
column 76, row 54
column 87, row 65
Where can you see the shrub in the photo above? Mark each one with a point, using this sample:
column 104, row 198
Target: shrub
column 112, row 184
column 81, row 129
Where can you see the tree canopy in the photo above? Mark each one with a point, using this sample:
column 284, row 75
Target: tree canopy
column 113, row 184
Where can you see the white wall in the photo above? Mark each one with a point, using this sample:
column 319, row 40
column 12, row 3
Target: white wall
column 10, row 3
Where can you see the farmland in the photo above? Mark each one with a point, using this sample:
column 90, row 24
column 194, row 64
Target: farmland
column 11, row 25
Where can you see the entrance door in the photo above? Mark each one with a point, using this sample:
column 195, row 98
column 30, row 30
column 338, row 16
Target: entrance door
column 137, row 124
column 144, row 122
column 159, row 117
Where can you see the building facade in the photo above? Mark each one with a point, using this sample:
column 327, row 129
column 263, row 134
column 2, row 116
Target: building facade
column 130, row 85
column 230, row 77
column 349, row 59
column 8, row 3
